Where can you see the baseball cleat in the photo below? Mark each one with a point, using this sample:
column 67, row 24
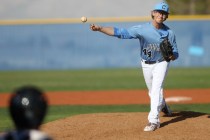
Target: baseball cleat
column 152, row 127
column 166, row 110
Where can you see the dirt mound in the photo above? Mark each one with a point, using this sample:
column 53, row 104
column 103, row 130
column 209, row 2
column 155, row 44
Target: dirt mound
column 129, row 126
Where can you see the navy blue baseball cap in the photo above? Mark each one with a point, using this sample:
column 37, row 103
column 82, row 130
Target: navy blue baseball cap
column 162, row 6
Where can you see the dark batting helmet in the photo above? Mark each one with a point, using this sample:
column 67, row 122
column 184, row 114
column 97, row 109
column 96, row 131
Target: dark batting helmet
column 28, row 107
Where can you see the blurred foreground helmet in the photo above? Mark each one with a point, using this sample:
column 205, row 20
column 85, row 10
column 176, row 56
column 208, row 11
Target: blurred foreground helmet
column 28, row 107
column 162, row 6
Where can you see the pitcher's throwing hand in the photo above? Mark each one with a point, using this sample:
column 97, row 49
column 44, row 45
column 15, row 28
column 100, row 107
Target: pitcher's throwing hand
column 94, row 27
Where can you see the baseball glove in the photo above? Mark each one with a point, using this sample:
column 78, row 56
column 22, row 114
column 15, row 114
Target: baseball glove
column 166, row 49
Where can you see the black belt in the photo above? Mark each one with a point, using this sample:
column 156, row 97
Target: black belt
column 152, row 62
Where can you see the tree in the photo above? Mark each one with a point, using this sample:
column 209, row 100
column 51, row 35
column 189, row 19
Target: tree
column 189, row 7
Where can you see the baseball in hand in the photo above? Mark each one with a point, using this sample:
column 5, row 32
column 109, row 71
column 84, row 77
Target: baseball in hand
column 83, row 19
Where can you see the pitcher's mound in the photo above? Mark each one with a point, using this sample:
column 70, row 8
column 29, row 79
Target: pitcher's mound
column 129, row 126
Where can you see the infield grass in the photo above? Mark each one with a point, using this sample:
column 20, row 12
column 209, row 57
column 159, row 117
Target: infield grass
column 101, row 79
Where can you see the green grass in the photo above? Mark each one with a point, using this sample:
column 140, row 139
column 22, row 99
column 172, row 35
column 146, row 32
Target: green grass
column 188, row 78
column 73, row 79
column 101, row 79
column 58, row 112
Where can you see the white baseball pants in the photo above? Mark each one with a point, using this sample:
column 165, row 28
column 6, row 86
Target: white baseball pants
column 154, row 75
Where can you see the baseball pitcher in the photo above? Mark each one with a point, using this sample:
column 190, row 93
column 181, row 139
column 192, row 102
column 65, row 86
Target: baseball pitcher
column 157, row 48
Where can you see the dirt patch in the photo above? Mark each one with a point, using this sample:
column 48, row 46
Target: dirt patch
column 114, row 97
column 129, row 126
column 126, row 126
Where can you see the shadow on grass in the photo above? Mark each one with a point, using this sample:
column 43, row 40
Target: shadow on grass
column 183, row 115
